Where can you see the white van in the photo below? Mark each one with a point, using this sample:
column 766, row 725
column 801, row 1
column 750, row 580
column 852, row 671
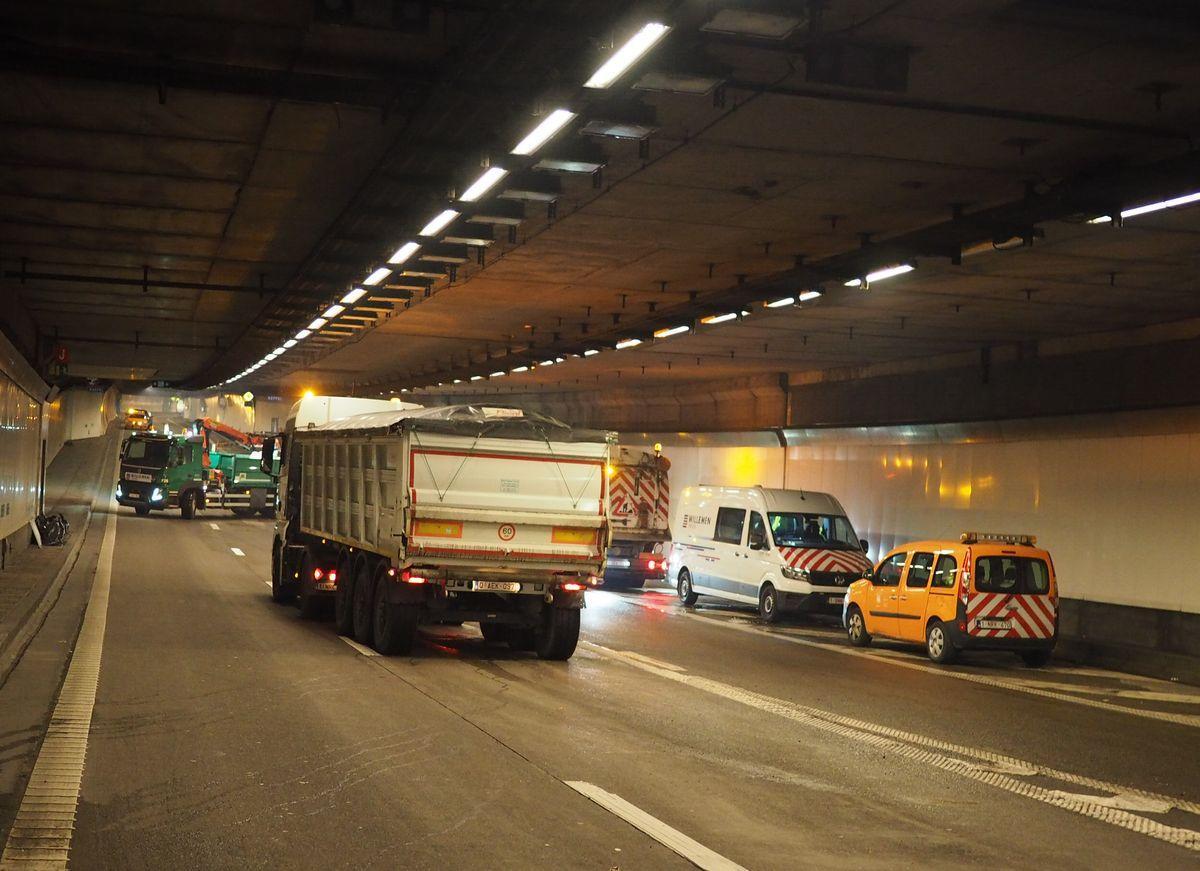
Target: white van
column 792, row 550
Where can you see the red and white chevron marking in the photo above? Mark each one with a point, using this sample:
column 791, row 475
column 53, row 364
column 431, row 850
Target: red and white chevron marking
column 628, row 497
column 818, row 559
column 1028, row 616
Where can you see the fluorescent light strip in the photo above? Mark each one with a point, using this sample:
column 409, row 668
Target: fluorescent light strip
column 719, row 319
column 290, row 343
column 810, row 295
column 483, row 184
column 881, row 274
column 476, row 377
column 317, row 323
column 441, row 222
column 590, row 352
column 546, row 363
column 667, row 332
column 780, row 303
column 497, row 374
column 1175, row 202
column 333, row 311
column 377, row 276
column 405, row 251
column 303, row 334
column 627, row 55
column 281, row 349
column 544, row 132
column 354, row 296
column 627, row 343
column 519, row 369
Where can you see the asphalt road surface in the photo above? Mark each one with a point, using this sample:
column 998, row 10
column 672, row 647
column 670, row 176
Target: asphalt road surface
column 227, row 732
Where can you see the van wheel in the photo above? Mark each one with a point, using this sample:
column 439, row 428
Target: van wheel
column 856, row 628
column 937, row 644
column 141, row 510
column 559, row 633
column 343, row 596
column 1036, row 658
column 187, row 505
column 395, row 626
column 686, row 594
column 768, row 604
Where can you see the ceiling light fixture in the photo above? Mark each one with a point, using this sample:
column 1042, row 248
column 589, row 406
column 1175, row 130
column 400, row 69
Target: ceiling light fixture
column 405, row 251
column 546, row 363
column 354, row 296
column 441, row 222
column 483, row 184
column 627, row 343
column 590, row 352
column 544, row 132
column 780, row 303
column 317, row 323
column 718, row 319
column 290, row 343
column 333, row 311
column 627, row 55
column 667, row 332
column 476, row 377
column 810, row 295
column 497, row 374
column 1175, row 202
column 377, row 276
column 881, row 274
column 303, row 334
column 519, row 369
column 280, row 350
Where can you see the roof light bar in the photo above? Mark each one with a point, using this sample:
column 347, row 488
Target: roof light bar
column 439, row 223
column 354, row 296
column 405, row 251
column 627, row 55
column 377, row 276
column 482, row 185
column 627, row 343
column 881, row 274
column 667, row 332
column 544, row 132
column 333, row 311
column 1173, row 203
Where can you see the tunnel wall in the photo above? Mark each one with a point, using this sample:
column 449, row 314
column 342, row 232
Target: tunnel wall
column 87, row 413
column 1112, row 497
column 21, row 431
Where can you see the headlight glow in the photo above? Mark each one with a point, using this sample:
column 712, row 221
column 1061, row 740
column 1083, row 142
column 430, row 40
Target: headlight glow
column 156, row 495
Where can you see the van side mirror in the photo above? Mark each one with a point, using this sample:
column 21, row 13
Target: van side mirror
column 266, row 464
column 862, row 542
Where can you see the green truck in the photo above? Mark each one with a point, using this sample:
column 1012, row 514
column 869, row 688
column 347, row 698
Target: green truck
column 160, row 472
column 244, row 488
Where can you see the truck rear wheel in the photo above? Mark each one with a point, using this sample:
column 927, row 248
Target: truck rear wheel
column 559, row 634
column 343, row 596
column 364, row 604
column 187, row 504
column 395, row 626
column 311, row 604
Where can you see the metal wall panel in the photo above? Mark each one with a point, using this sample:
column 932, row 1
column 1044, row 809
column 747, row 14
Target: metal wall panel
column 20, row 456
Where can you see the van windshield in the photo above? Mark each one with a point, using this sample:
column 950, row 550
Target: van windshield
column 147, row 453
column 791, row 529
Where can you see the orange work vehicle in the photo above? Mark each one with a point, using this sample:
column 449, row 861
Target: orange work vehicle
column 983, row 592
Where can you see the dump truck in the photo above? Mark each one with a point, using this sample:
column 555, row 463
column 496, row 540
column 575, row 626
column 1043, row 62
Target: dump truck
column 640, row 507
column 455, row 514
column 160, row 472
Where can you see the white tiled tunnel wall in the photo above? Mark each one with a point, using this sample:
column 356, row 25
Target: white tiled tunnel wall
column 1120, row 514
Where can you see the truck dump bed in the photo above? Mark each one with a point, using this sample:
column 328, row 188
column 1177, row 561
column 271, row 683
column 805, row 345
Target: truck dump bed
column 472, row 490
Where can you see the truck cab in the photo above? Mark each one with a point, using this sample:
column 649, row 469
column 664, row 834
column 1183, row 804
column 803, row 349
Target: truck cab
column 160, row 472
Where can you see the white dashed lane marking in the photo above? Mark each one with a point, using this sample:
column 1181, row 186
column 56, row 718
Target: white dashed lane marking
column 673, row 839
column 214, row 526
column 237, row 551
column 1002, row 772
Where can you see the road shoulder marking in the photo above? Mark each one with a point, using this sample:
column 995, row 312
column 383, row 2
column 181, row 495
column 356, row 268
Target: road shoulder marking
column 41, row 834
column 673, row 839
column 361, row 648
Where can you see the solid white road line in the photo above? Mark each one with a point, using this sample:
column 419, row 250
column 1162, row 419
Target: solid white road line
column 1003, row 772
column 673, row 839
column 41, row 834
column 363, row 649
column 896, row 658
column 237, row 551
column 214, row 526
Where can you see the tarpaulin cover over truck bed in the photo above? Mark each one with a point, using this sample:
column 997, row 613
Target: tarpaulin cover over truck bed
column 488, row 421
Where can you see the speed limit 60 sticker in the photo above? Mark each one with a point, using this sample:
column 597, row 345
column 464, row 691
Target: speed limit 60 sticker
column 507, row 532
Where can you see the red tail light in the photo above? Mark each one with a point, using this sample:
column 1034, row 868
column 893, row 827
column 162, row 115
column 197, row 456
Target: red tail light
column 573, row 586
column 409, row 578
column 652, row 565
column 318, row 574
column 332, row 577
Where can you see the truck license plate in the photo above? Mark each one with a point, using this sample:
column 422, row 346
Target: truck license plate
column 618, row 563
column 992, row 624
column 138, row 476
column 498, row 586
column 837, row 600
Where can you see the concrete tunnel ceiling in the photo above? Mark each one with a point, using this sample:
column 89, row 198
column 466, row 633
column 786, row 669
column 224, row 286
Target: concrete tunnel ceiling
column 196, row 206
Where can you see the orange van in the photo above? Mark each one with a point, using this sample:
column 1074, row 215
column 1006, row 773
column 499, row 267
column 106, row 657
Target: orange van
column 983, row 592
